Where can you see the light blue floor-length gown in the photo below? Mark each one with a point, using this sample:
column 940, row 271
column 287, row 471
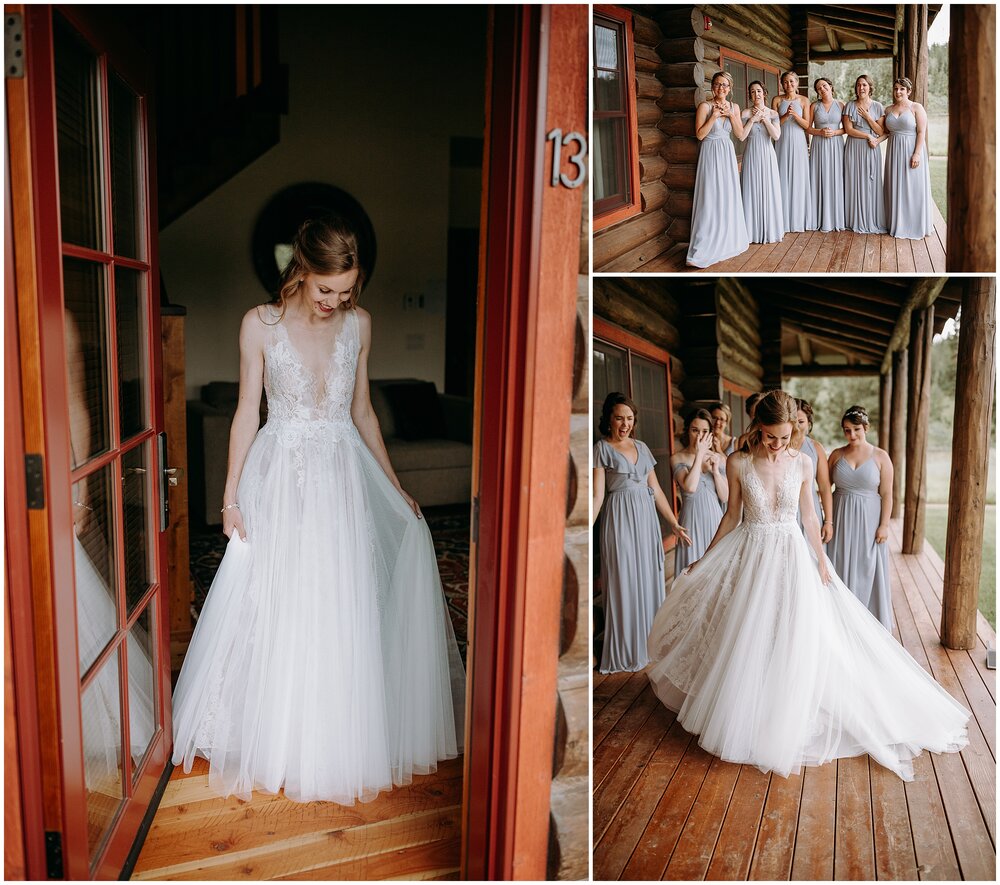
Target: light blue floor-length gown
column 826, row 170
column 718, row 228
column 700, row 514
column 861, row 563
column 761, row 186
column 793, row 173
column 809, row 449
column 631, row 557
column 864, row 202
column 909, row 210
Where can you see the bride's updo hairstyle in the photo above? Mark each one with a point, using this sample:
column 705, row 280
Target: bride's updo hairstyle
column 774, row 407
column 326, row 245
column 855, row 415
column 610, row 401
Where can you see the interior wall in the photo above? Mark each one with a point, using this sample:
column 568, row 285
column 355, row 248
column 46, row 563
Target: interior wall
column 375, row 95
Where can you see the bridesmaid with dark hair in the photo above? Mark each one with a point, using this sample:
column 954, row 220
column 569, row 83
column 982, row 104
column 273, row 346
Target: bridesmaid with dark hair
column 793, row 154
column 821, row 473
column 718, row 228
column 701, row 478
column 826, row 159
column 909, row 210
column 761, row 186
column 862, row 503
column 632, row 573
column 864, row 203
column 749, row 404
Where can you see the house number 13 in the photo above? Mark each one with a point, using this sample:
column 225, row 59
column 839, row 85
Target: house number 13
column 558, row 142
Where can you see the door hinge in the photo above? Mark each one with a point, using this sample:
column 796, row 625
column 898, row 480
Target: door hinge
column 34, row 481
column 53, row 854
column 13, row 44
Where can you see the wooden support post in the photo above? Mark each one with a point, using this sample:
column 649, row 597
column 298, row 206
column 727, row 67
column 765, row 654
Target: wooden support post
column 916, row 50
column 970, row 449
column 971, row 154
column 897, row 428
column 884, row 409
column 918, row 416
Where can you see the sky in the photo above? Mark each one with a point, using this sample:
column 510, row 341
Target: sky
column 938, row 32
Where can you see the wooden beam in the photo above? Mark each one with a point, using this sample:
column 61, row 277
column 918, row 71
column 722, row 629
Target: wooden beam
column 797, row 295
column 878, row 12
column 870, row 37
column 824, row 370
column 916, row 49
column 850, row 335
column 897, row 429
column 884, row 408
column 922, row 295
column 918, row 416
column 819, row 336
column 850, row 55
column 805, row 350
column 878, row 318
column 971, row 146
column 970, row 451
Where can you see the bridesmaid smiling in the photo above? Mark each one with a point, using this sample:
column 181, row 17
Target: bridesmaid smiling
column 826, row 159
column 718, row 228
column 907, row 172
column 761, row 186
column 793, row 154
column 864, row 205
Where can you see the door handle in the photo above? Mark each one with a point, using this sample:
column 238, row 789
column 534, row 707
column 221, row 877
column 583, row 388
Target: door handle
column 166, row 479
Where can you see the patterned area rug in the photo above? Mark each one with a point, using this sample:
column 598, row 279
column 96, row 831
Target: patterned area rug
column 449, row 527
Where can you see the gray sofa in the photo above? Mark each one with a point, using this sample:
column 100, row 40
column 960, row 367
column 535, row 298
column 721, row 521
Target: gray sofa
column 429, row 442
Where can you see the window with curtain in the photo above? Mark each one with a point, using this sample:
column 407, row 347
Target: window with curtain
column 744, row 70
column 614, row 143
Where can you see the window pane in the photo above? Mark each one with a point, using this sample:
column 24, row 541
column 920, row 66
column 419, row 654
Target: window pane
column 94, row 566
column 608, row 91
column 126, row 210
column 649, row 391
column 136, row 502
column 771, row 82
column 141, row 698
column 86, row 358
column 102, row 752
column 130, row 311
column 609, row 375
column 606, row 49
column 78, row 126
column 609, row 159
column 753, row 74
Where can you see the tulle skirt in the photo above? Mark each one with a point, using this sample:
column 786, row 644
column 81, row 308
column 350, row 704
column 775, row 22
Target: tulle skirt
column 772, row 668
column 324, row 661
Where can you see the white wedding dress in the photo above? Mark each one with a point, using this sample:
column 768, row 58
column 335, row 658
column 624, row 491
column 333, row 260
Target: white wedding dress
column 324, row 661
column 772, row 668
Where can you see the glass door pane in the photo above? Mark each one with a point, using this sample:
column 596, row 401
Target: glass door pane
column 133, row 379
column 126, row 172
column 610, row 374
column 102, row 752
column 653, row 427
column 142, row 708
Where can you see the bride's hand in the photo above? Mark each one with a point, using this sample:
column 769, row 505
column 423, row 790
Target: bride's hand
column 232, row 521
column 413, row 505
column 824, row 572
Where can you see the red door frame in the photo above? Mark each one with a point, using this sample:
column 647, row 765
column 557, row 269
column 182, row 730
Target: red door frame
column 63, row 784
column 537, row 70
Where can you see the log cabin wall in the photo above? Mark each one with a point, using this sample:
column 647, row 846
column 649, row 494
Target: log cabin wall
column 676, row 57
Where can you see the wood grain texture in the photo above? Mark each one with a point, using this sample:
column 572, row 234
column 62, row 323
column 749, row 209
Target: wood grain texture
column 664, row 808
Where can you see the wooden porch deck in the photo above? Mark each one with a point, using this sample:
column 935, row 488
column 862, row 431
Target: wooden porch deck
column 413, row 832
column 666, row 809
column 816, row 252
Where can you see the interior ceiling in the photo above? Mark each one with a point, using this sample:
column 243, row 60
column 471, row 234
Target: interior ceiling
column 837, row 321
column 857, row 28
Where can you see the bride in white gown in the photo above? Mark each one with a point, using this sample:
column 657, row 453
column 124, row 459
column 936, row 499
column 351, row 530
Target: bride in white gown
column 324, row 661
column 767, row 655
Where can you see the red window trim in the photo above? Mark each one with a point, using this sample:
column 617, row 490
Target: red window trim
column 619, row 337
column 634, row 205
column 732, row 387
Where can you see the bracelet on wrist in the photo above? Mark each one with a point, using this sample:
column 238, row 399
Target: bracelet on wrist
column 230, row 507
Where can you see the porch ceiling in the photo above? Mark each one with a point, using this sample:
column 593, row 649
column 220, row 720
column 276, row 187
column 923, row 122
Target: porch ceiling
column 855, row 28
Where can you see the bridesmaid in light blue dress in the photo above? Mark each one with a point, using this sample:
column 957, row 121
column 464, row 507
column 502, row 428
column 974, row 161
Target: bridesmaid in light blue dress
column 722, row 420
column 909, row 211
column 821, row 475
column 698, row 473
column 793, row 154
column 626, row 489
column 761, row 187
column 864, row 202
column 862, row 502
column 718, row 228
column 826, row 159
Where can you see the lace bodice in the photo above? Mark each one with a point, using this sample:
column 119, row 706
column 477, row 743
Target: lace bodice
column 768, row 510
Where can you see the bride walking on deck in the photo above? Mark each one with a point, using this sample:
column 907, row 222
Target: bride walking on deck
column 765, row 653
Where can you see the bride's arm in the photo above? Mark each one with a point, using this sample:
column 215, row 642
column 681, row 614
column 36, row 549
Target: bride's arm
column 363, row 414
column 246, row 420
column 734, row 509
column 810, row 521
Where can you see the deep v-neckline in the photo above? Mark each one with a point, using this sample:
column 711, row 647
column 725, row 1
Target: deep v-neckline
column 297, row 353
column 774, row 504
column 638, row 455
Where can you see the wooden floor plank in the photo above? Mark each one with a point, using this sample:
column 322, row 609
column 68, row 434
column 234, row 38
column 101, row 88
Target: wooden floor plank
column 904, row 256
column 775, row 848
column 734, row 849
column 658, row 839
column 843, row 244
column 629, row 689
column 814, row 840
column 856, row 255
column 854, row 854
column 615, row 787
column 936, row 250
column 696, row 845
column 758, row 256
column 921, row 257
column 935, row 853
column 607, row 688
column 607, row 754
column 434, row 861
column 895, row 858
column 810, row 244
column 887, row 261
column 873, row 254
column 777, row 256
column 824, row 254
column 614, row 846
